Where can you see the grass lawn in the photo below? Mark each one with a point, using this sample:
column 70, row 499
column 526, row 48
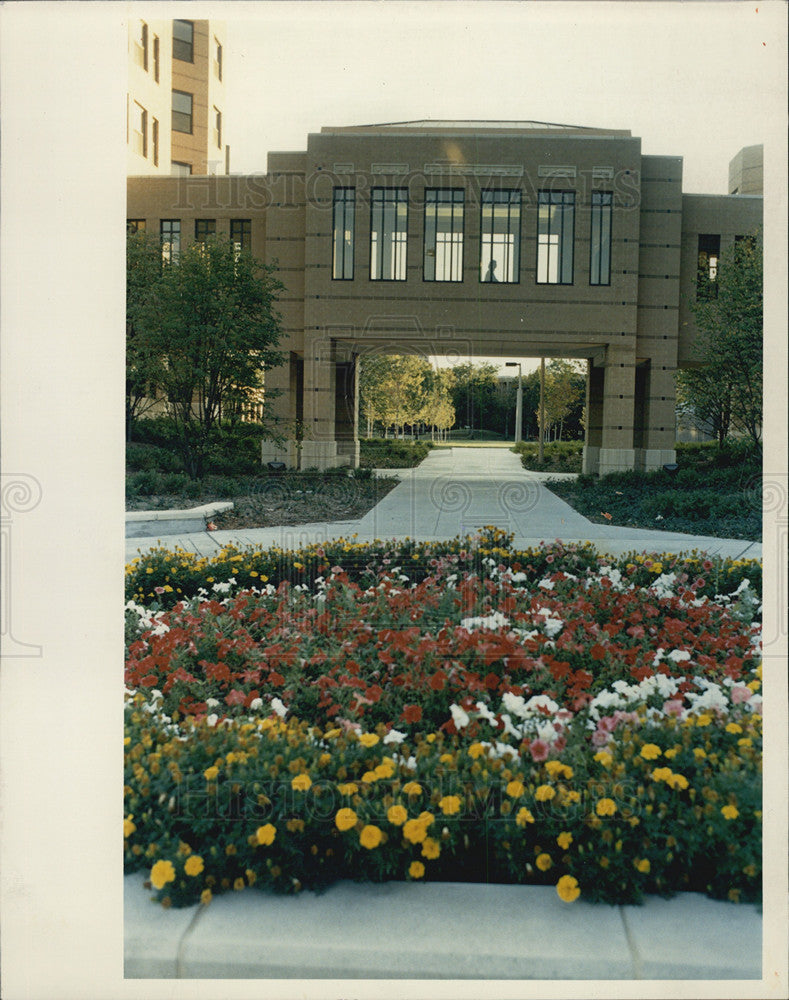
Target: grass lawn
column 715, row 492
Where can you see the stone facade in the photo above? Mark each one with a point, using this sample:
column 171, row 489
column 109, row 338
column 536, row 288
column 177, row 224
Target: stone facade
column 597, row 247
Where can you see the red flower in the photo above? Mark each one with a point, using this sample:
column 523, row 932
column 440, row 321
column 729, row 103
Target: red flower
column 236, row 697
column 411, row 713
column 438, row 680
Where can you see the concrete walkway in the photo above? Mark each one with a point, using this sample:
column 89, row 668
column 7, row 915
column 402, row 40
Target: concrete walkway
column 457, row 491
column 400, row 930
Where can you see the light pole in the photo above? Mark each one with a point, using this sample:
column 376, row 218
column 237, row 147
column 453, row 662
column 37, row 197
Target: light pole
column 542, row 411
column 518, row 400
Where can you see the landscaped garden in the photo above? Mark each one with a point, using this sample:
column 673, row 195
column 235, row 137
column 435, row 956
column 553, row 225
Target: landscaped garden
column 447, row 711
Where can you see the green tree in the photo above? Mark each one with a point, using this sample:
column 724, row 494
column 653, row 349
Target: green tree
column 438, row 412
column 144, row 365
column 564, row 391
column 392, row 390
column 210, row 316
column 475, row 396
column 725, row 385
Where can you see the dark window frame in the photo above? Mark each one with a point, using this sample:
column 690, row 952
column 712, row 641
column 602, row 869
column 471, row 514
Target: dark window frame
column 144, row 45
column 242, row 240
column 184, row 114
column 601, row 201
column 136, row 226
column 709, row 250
column 218, row 59
column 218, row 126
column 182, row 45
column 203, row 229
column 170, row 232
column 514, row 198
column 343, row 198
column 564, row 200
column 401, row 198
column 156, row 58
column 435, row 201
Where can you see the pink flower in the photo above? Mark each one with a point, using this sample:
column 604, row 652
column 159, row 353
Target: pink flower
column 607, row 724
column 210, row 526
column 599, row 738
column 549, row 559
column 672, row 707
column 538, row 750
column 740, row 694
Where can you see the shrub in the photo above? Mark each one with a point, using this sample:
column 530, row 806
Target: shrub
column 392, row 453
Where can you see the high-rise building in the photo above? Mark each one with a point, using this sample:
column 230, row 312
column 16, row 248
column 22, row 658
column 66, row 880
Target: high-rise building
column 175, row 114
column 746, row 171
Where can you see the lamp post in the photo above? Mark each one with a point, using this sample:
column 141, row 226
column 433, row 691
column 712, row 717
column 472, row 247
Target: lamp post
column 518, row 400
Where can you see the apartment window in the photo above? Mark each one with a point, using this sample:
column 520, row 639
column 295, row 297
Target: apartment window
column 500, row 227
column 218, row 128
column 217, row 60
column 204, row 228
column 183, row 40
column 182, row 111
column 156, row 58
column 144, row 44
column 241, row 233
column 155, row 141
column 139, row 129
column 135, row 226
column 555, row 230
column 600, row 240
column 707, row 271
column 443, row 258
column 179, row 169
column 170, row 233
column 388, row 233
column 344, row 215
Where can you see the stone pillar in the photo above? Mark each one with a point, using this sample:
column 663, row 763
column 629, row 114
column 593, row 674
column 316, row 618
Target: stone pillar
column 656, row 408
column 346, row 408
column 594, row 417
column 617, row 452
column 278, row 385
column 319, row 447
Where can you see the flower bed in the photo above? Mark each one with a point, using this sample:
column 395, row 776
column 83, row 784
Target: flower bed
column 462, row 712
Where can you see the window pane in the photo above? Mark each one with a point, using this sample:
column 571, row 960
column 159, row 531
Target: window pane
column 388, row 234
column 600, row 241
column 555, row 227
column 500, row 236
column 241, row 233
column 343, row 233
column 183, row 40
column 707, row 274
column 204, row 228
column 182, row 111
column 170, row 230
column 443, row 259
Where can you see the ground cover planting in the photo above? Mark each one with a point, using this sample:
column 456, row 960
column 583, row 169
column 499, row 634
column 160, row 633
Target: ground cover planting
column 456, row 711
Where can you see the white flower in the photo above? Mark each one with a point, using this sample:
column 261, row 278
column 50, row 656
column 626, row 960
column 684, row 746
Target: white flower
column 553, row 626
column 495, row 620
column 256, row 704
column 212, row 720
column 514, row 703
column 211, row 702
column 518, row 577
column 394, row 736
column 539, row 702
column 506, row 722
column 546, row 584
column 485, row 713
column 279, row 707
column 678, row 655
column 459, row 717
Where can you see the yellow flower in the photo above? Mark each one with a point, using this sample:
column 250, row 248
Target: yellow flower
column 416, row 869
column 733, row 728
column 446, row 758
column 671, row 753
column 564, row 840
column 301, row 782
column 544, row 793
column 128, row 827
column 699, row 753
column 210, row 773
column 730, row 812
column 345, row 819
column 543, row 862
column 567, row 889
column 162, row 873
column 369, row 739
column 475, row 750
column 397, row 815
column 430, row 848
column 753, row 685
column 415, row 831
column 662, row 774
column 556, row 769
column 206, row 896
column 643, row 865
column 678, row 781
column 239, row 884
column 515, row 789
column 386, row 768
column 266, row 834
column 605, row 807
column 369, row 777
column 704, row 719
column 746, row 741
column 604, row 757
column 649, row 751
column 349, row 788
column 194, row 865
column 370, row 837
column 523, row 816
column 412, row 788
column 450, row 805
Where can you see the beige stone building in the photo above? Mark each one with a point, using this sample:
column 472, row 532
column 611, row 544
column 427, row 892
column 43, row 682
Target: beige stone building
column 509, row 239
column 175, row 105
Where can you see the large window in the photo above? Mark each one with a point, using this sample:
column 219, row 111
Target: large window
column 241, row 233
column 183, row 40
column 155, row 141
column 600, row 240
column 344, row 210
column 388, row 233
column 500, row 240
column 707, row 274
column 180, row 169
column 443, row 260
column 218, row 128
column 182, row 111
column 203, row 229
column 170, row 231
column 139, row 129
column 555, row 226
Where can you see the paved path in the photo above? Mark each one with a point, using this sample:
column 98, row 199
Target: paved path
column 458, row 490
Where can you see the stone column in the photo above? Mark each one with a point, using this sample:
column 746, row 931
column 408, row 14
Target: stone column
column 617, row 452
column 346, row 408
column 319, row 448
column 656, row 443
column 594, row 417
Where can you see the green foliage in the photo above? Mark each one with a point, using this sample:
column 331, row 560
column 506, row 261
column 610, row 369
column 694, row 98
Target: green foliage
column 558, row 456
column 231, row 449
column 725, row 389
column 398, row 391
column 392, row 453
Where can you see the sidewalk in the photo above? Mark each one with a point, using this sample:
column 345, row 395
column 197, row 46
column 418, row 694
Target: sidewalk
column 457, row 491
column 406, row 930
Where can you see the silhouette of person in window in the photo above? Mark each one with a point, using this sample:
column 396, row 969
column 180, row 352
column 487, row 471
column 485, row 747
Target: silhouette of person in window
column 490, row 276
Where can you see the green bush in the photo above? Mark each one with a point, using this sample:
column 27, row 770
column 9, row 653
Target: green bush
column 560, row 456
column 392, row 453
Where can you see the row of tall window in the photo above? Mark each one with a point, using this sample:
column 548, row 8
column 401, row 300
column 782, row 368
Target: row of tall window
column 139, row 133
column 443, row 244
column 170, row 233
column 146, row 51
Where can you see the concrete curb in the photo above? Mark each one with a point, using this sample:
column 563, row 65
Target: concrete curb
column 400, row 930
column 143, row 523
